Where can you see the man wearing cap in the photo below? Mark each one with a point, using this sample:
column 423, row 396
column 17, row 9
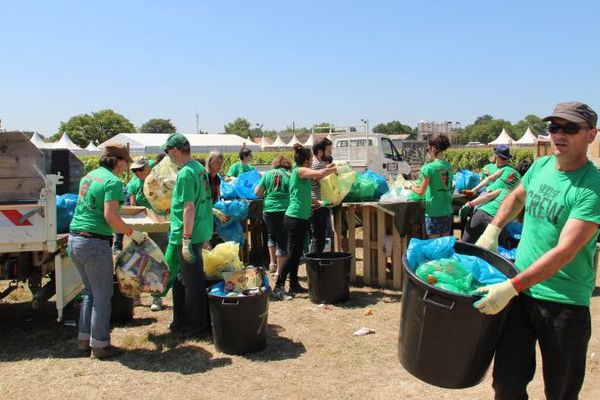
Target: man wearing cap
column 96, row 219
column 191, row 226
column 504, row 175
column 140, row 169
column 561, row 197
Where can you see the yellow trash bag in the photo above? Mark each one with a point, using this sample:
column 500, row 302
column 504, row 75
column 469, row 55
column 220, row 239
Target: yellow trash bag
column 225, row 257
column 336, row 186
column 158, row 186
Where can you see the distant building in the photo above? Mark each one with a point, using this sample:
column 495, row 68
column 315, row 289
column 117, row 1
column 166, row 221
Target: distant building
column 427, row 129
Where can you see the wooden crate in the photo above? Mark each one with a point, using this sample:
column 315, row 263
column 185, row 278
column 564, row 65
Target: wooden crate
column 379, row 269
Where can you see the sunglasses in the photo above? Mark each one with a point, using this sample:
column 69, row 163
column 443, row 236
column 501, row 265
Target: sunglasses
column 136, row 170
column 569, row 129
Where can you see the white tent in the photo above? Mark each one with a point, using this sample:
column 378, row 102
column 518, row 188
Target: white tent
column 527, row 139
column 293, row 141
column 330, row 137
column 65, row 142
column 38, row 141
column 150, row 143
column 503, row 138
column 278, row 143
column 264, row 142
column 310, row 141
column 91, row 149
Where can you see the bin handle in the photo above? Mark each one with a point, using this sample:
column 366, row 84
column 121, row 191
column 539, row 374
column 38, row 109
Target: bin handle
column 427, row 300
column 324, row 262
column 230, row 302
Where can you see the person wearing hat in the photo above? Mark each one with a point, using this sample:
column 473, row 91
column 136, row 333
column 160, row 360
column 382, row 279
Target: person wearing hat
column 141, row 169
column 91, row 232
column 550, row 296
column 191, row 227
column 501, row 151
column 241, row 166
column 504, row 176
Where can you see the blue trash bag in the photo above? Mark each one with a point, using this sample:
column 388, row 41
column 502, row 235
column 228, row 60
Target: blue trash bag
column 514, row 230
column 231, row 232
column 465, row 179
column 382, row 185
column 482, row 271
column 245, row 184
column 236, row 210
column 420, row 251
column 228, row 191
column 218, row 289
column 65, row 209
column 508, row 254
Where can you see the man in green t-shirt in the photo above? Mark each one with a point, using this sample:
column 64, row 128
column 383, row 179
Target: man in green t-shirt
column 141, row 169
column 241, row 166
column 191, row 227
column 555, row 259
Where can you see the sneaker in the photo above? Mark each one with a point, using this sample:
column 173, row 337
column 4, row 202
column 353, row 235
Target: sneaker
column 280, row 294
column 297, row 288
column 156, row 304
column 273, row 268
column 101, row 353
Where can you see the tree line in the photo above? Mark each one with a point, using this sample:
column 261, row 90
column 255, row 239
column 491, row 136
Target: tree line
column 100, row 126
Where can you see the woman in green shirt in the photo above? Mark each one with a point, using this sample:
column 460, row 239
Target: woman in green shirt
column 296, row 218
column 274, row 187
column 436, row 185
column 96, row 219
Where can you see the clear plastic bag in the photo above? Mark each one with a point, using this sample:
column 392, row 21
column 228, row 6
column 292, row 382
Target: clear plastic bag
column 159, row 185
column 141, row 268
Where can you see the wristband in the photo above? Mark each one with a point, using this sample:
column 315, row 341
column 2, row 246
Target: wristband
column 187, row 236
column 517, row 284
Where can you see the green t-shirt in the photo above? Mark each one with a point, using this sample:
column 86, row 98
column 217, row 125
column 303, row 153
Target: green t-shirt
column 509, row 179
column 276, row 183
column 300, row 197
column 192, row 185
column 95, row 189
column 488, row 170
column 238, row 168
column 553, row 197
column 135, row 188
column 438, row 197
column 491, row 207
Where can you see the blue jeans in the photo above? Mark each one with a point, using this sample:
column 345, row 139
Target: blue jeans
column 93, row 259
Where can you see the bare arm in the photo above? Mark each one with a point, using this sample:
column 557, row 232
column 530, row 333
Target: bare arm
column 259, row 191
column 420, row 190
column 308, row 173
column 189, row 212
column 111, row 214
column 485, row 198
column 132, row 200
column 487, row 180
column 575, row 234
column 510, row 207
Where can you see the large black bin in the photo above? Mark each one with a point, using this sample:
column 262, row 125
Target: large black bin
column 444, row 340
column 328, row 277
column 239, row 324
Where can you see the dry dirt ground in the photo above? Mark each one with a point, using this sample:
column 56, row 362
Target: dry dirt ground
column 311, row 354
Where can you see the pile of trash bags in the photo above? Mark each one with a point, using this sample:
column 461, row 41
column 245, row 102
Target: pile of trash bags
column 236, row 210
column 347, row 185
column 141, row 268
column 249, row 281
column 465, row 179
column 65, row 209
column 159, row 185
column 435, row 263
column 223, row 258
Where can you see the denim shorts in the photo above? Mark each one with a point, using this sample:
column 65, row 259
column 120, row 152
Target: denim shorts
column 438, row 225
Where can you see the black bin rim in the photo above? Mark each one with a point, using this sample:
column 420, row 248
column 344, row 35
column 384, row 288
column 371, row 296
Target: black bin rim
column 469, row 250
column 328, row 255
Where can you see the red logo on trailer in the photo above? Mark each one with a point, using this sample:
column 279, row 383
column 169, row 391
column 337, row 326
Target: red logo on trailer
column 12, row 217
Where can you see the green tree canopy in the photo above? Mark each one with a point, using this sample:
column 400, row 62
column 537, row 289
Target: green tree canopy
column 240, row 126
column 97, row 127
column 532, row 122
column 393, row 128
column 158, row 125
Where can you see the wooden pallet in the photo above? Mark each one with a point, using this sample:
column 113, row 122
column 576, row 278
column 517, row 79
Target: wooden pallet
column 379, row 269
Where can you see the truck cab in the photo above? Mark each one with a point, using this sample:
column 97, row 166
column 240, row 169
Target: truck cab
column 373, row 151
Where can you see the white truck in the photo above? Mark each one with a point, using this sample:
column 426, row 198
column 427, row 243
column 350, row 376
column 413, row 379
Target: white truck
column 30, row 248
column 373, row 151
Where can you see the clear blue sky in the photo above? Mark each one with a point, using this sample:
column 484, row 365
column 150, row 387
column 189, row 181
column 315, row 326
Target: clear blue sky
column 274, row 62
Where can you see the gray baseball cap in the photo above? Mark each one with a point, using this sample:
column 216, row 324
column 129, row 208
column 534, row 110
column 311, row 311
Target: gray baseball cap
column 575, row 111
column 139, row 162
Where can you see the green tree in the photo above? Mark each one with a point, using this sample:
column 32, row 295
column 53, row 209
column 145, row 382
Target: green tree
column 393, row 128
column 485, row 129
column 240, row 126
column 532, row 122
column 158, row 125
column 97, row 127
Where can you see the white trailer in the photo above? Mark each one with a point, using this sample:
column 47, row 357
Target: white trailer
column 30, row 249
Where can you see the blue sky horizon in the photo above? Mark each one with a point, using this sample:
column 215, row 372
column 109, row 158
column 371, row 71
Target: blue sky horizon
column 304, row 62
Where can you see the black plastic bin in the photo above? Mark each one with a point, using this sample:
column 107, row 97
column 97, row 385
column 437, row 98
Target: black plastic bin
column 328, row 277
column 239, row 324
column 444, row 340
